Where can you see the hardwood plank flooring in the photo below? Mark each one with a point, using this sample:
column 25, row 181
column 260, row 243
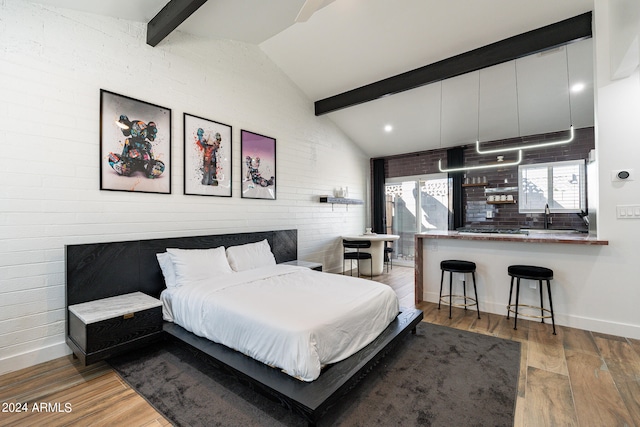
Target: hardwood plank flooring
column 574, row 378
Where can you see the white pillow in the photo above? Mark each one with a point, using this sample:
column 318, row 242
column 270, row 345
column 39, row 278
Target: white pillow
column 250, row 256
column 197, row 264
column 166, row 265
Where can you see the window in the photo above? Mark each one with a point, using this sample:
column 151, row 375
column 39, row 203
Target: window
column 561, row 185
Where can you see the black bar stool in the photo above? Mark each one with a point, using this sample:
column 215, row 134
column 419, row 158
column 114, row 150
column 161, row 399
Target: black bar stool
column 456, row 266
column 531, row 272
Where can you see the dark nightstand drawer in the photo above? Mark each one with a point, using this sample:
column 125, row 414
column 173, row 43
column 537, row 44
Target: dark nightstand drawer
column 103, row 328
column 111, row 332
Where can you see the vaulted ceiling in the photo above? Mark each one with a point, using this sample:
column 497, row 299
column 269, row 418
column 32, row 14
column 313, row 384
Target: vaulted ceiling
column 347, row 44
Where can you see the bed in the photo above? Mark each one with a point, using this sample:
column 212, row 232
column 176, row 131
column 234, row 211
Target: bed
column 101, row 270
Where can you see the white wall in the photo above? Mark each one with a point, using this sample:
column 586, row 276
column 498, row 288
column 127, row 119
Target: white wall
column 53, row 63
column 595, row 288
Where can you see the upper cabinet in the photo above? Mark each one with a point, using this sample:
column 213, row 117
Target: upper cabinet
column 498, row 106
column 460, row 109
column 531, row 95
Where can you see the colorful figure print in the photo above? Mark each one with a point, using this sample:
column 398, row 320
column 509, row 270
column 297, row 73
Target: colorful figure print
column 210, row 147
column 137, row 154
column 253, row 174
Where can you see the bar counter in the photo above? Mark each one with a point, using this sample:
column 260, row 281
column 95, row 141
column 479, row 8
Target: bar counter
column 533, row 239
column 547, row 237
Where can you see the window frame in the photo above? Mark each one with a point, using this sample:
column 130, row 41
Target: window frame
column 522, row 207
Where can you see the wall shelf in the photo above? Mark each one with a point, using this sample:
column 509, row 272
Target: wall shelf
column 501, row 190
column 482, row 184
column 340, row 201
column 501, row 202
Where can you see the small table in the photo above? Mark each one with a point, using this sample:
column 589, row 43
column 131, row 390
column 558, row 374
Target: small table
column 300, row 263
column 376, row 251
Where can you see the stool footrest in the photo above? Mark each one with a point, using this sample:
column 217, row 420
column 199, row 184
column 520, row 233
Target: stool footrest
column 510, row 308
column 445, row 299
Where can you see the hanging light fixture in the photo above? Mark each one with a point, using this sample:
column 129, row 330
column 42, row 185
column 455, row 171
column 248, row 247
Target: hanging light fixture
column 528, row 146
column 542, row 144
column 499, row 164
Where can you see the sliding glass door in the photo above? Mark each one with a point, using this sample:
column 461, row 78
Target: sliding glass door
column 415, row 204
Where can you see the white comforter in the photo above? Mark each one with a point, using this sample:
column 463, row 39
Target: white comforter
column 289, row 317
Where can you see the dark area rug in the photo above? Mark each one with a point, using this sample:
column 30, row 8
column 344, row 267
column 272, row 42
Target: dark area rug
column 438, row 377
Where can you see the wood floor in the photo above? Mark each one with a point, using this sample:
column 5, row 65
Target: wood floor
column 574, row 378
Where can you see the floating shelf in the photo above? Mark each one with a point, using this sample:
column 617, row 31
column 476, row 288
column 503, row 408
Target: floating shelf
column 482, row 184
column 501, row 202
column 340, row 201
column 501, row 190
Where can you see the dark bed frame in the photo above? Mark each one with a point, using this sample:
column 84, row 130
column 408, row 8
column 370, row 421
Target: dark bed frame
column 101, row 270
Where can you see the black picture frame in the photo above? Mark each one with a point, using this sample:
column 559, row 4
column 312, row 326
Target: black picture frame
column 135, row 145
column 258, row 159
column 208, row 148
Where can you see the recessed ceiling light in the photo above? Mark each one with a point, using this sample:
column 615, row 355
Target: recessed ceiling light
column 388, row 128
column 578, row 87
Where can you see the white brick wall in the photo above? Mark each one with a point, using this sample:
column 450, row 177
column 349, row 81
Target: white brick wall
column 53, row 63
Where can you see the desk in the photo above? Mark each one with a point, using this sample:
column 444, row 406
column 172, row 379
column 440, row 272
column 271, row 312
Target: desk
column 376, row 250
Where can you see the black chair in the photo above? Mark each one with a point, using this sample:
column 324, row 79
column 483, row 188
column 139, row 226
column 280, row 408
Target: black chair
column 356, row 254
column 388, row 258
column 530, row 272
column 456, row 266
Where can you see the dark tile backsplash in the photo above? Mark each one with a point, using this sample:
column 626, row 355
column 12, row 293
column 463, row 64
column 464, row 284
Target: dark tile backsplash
column 504, row 215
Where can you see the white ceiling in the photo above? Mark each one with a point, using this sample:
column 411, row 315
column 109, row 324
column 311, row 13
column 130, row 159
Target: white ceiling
column 350, row 43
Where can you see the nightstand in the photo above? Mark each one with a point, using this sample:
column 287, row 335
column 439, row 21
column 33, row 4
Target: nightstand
column 103, row 328
column 312, row 265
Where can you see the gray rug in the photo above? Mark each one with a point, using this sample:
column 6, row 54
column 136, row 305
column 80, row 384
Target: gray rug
column 438, row 377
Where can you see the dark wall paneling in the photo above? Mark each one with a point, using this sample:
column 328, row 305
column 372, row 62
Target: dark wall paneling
column 475, row 206
column 101, row 270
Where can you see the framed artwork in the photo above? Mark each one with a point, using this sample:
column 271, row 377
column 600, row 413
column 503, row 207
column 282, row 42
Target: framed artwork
column 258, row 155
column 207, row 157
column 135, row 145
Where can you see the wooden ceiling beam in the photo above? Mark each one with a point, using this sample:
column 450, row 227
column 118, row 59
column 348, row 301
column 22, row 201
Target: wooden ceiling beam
column 169, row 18
column 554, row 35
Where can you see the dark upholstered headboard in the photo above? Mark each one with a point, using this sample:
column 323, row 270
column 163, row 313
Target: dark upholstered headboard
column 101, row 270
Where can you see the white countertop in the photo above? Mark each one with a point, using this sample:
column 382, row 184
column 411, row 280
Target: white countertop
column 108, row 308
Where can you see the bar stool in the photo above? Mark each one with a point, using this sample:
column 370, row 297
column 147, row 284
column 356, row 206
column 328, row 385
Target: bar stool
column 530, row 272
column 456, row 266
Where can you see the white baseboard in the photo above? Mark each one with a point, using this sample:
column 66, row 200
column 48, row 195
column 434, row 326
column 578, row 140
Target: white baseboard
column 584, row 323
column 26, row 360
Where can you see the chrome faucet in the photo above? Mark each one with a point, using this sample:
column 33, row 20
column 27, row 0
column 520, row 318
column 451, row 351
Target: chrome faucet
column 547, row 218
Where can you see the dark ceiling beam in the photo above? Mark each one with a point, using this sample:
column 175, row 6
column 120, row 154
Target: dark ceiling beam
column 169, row 18
column 554, row 35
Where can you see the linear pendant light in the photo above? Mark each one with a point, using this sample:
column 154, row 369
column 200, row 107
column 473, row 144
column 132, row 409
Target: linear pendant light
column 526, row 147
column 493, row 165
column 500, row 163
column 542, row 144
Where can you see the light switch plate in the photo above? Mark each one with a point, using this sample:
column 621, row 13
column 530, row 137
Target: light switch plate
column 628, row 211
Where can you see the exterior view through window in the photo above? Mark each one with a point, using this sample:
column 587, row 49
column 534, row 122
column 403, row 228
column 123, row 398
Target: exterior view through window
column 561, row 185
column 415, row 205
